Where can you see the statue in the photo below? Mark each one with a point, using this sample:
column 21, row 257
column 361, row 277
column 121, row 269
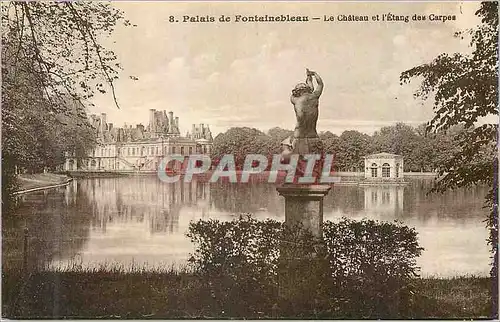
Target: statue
column 305, row 139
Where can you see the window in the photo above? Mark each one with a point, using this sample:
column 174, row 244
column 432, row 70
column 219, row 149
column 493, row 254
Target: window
column 128, row 151
column 190, row 150
column 173, row 150
column 156, row 150
column 397, row 170
column 386, row 170
column 182, row 150
column 374, row 170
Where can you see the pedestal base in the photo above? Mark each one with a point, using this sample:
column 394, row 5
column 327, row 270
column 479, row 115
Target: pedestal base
column 302, row 275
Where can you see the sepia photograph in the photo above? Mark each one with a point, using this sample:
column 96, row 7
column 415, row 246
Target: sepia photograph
column 249, row 160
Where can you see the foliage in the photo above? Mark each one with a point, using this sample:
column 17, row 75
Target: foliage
column 421, row 151
column 372, row 262
column 52, row 63
column 162, row 294
column 59, row 45
column 354, row 146
column 277, row 135
column 240, row 141
column 360, row 269
column 465, row 89
column 241, row 258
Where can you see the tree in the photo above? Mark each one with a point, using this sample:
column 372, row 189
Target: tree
column 465, row 88
column 276, row 136
column 240, row 141
column 400, row 139
column 354, row 146
column 58, row 44
column 331, row 145
column 51, row 56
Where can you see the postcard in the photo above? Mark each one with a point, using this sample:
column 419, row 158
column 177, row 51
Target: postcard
column 249, row 160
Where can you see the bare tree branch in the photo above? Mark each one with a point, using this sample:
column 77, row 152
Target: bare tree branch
column 98, row 52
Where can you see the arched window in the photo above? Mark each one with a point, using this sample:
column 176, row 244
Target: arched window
column 374, row 170
column 386, row 170
column 190, row 150
column 93, row 164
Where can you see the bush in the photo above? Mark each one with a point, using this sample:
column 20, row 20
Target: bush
column 359, row 269
column 372, row 263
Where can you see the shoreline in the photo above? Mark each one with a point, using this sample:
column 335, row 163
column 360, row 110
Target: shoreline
column 343, row 178
column 41, row 181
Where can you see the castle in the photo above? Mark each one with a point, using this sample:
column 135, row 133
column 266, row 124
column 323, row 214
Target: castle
column 140, row 148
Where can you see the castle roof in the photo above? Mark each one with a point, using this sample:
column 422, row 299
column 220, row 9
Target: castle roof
column 383, row 155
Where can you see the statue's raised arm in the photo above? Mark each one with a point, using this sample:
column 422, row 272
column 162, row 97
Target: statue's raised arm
column 309, row 81
column 319, row 89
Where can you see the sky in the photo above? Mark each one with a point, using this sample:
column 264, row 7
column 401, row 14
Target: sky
column 241, row 74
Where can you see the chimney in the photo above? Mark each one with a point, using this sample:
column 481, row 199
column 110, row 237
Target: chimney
column 193, row 129
column 165, row 121
column 170, row 121
column 152, row 127
column 110, row 126
column 177, row 123
column 103, row 122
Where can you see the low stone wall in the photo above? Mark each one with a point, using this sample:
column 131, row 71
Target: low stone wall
column 41, row 181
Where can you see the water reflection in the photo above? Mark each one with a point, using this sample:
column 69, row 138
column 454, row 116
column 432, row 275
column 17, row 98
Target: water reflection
column 58, row 226
column 142, row 220
column 384, row 199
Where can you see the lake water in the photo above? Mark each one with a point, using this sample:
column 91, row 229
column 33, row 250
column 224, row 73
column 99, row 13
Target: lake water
column 142, row 221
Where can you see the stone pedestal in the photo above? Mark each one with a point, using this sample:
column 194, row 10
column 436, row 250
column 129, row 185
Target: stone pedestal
column 302, row 271
column 304, row 205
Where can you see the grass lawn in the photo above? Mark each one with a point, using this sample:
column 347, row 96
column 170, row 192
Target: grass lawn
column 140, row 294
